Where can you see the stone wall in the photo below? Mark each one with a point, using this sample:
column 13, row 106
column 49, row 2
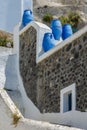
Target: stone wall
column 61, row 1
column 28, row 66
column 58, row 11
column 44, row 81
column 73, row 1
column 53, row 7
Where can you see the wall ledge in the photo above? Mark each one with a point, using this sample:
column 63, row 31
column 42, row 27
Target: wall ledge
column 40, row 26
column 62, row 44
column 9, row 103
column 23, row 123
column 34, row 24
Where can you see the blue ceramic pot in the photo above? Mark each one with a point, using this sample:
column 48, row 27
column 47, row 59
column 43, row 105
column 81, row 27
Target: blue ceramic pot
column 27, row 17
column 56, row 29
column 67, row 31
column 48, row 41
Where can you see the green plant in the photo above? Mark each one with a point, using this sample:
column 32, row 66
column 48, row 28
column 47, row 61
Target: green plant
column 64, row 19
column 47, row 18
column 16, row 118
column 72, row 18
column 4, row 39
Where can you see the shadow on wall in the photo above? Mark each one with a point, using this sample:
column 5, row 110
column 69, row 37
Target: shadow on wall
column 11, row 73
column 15, row 89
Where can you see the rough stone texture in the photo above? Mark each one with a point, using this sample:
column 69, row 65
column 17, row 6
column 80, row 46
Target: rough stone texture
column 61, row 1
column 44, row 81
column 57, row 11
column 28, row 62
column 58, row 8
column 74, row 1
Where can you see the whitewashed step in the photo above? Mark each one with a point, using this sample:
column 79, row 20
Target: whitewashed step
column 16, row 97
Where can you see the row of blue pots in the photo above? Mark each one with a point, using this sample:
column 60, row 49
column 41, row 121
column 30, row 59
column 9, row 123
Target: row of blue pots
column 49, row 40
column 57, row 30
column 56, row 26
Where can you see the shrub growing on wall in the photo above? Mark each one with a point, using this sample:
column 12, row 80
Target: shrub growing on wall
column 47, row 18
column 4, row 39
column 72, row 18
column 64, row 19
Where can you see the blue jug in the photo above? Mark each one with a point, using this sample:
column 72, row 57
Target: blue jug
column 27, row 17
column 48, row 41
column 67, row 31
column 56, row 28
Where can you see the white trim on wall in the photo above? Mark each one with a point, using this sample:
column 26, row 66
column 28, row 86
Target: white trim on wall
column 75, row 118
column 41, row 30
column 62, row 44
column 72, row 89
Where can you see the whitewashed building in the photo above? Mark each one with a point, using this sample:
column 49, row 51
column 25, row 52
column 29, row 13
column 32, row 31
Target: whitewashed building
column 11, row 13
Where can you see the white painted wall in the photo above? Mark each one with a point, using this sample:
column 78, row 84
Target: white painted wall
column 11, row 82
column 4, row 52
column 72, row 118
column 30, row 109
column 11, row 13
column 63, row 43
column 41, row 29
column 27, row 4
column 8, row 109
column 71, row 88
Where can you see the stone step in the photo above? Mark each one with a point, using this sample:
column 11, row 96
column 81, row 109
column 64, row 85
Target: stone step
column 16, row 97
